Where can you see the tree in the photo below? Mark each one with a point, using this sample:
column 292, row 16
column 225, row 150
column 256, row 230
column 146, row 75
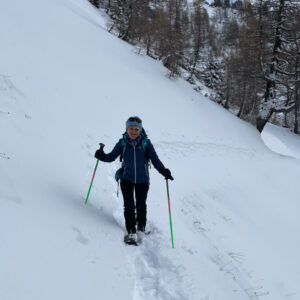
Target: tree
column 174, row 42
column 96, row 3
column 200, row 29
column 275, row 71
column 213, row 77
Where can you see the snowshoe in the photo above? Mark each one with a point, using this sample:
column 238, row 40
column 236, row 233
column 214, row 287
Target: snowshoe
column 142, row 230
column 131, row 239
column 141, row 235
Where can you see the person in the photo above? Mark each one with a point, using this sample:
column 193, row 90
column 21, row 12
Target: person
column 135, row 150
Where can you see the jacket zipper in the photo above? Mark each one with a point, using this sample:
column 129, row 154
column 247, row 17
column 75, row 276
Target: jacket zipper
column 134, row 165
column 123, row 162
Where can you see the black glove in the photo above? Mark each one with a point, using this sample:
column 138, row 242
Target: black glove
column 166, row 173
column 99, row 154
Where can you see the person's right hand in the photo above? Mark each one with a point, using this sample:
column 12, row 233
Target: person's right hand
column 99, row 154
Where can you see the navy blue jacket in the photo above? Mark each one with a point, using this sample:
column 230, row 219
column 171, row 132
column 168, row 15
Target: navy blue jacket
column 135, row 167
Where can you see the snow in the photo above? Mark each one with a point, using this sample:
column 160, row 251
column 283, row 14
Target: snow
column 66, row 84
column 281, row 141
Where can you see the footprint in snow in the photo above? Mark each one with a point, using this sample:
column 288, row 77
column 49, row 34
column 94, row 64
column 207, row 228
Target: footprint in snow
column 79, row 237
column 4, row 156
column 156, row 275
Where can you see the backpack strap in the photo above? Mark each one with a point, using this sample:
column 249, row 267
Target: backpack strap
column 123, row 144
column 145, row 148
column 145, row 144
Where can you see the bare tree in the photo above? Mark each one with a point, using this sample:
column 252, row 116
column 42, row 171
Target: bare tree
column 277, row 71
column 200, row 29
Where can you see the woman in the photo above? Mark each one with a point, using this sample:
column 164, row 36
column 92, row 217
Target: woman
column 135, row 151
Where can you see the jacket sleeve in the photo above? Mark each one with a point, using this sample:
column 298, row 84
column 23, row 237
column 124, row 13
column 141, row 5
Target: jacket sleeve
column 109, row 157
column 158, row 165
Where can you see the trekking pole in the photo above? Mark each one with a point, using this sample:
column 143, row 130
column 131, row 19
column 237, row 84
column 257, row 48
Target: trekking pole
column 170, row 217
column 118, row 187
column 87, row 196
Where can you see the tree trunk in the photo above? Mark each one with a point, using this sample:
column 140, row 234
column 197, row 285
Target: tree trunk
column 96, row 3
column 226, row 104
column 196, row 58
column 297, row 88
column 269, row 102
column 296, row 126
column 297, row 106
column 261, row 122
column 243, row 101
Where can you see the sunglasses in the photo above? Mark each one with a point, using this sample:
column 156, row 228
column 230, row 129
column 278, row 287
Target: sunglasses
column 135, row 119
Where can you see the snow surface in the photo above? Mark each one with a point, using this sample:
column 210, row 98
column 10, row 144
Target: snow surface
column 66, row 84
column 281, row 141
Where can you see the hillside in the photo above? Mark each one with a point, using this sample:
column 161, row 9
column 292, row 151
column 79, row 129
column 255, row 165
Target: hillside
column 66, row 84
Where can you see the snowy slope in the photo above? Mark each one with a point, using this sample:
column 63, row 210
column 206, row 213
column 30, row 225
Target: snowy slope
column 66, row 85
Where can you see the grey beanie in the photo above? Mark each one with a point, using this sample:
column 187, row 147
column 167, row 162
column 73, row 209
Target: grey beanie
column 134, row 121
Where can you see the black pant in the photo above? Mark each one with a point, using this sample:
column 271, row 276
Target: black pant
column 134, row 212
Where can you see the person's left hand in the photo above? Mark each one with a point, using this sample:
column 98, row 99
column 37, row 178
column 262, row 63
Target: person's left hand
column 167, row 174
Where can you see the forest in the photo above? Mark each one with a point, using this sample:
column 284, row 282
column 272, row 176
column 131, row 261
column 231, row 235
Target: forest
column 246, row 52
